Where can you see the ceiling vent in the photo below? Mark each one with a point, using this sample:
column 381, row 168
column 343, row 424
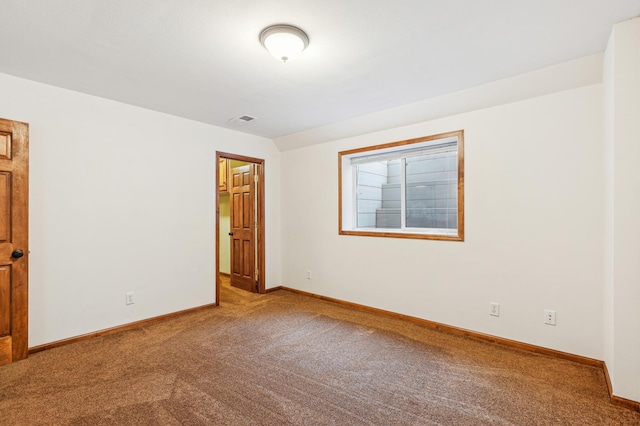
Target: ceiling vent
column 244, row 119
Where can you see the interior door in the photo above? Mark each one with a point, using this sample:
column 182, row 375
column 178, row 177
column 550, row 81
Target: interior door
column 243, row 227
column 14, row 190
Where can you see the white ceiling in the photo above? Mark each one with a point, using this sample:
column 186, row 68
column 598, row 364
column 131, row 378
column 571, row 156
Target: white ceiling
column 201, row 59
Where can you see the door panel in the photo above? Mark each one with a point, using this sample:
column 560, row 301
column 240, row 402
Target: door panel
column 242, row 228
column 5, row 145
column 236, row 247
column 5, row 207
column 5, row 300
column 236, row 205
column 247, row 257
column 14, row 190
column 247, row 210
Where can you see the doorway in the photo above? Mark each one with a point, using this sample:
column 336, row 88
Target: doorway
column 240, row 230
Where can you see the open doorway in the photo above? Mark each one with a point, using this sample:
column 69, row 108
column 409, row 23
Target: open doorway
column 240, row 232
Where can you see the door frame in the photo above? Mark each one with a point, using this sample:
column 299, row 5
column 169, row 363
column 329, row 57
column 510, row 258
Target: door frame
column 260, row 255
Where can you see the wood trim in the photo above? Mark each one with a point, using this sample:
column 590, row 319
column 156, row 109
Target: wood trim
column 118, row 329
column 217, row 229
column 404, row 142
column 340, row 231
column 617, row 400
column 458, row 331
column 224, row 274
column 262, row 282
column 272, row 289
column 261, row 219
column 459, row 237
column 607, row 379
column 625, row 403
column 404, row 235
column 460, row 186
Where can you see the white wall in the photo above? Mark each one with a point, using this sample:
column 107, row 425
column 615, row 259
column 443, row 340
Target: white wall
column 622, row 277
column 122, row 199
column 533, row 221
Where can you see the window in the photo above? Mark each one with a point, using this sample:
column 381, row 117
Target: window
column 406, row 189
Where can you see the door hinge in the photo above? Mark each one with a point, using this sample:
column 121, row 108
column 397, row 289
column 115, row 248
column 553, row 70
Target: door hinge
column 255, row 178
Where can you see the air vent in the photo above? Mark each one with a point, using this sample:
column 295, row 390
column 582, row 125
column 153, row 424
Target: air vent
column 244, row 119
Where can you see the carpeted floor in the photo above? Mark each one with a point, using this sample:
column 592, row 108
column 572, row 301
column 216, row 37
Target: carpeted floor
column 286, row 359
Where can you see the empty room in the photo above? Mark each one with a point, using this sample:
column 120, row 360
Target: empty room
column 292, row 212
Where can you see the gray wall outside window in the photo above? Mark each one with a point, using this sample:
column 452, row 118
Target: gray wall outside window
column 432, row 192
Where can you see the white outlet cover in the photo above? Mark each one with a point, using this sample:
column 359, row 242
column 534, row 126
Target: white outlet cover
column 494, row 309
column 549, row 317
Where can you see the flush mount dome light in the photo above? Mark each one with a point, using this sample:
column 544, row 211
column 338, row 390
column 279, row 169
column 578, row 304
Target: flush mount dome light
column 284, row 42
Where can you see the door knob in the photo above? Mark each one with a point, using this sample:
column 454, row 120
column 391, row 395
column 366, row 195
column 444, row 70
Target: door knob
column 231, row 234
column 17, row 254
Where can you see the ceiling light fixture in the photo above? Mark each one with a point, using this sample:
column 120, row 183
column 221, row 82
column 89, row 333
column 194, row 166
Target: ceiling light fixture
column 284, row 42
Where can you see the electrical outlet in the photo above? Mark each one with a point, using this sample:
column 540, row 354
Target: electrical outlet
column 129, row 298
column 494, row 309
column 549, row 317
column 308, row 274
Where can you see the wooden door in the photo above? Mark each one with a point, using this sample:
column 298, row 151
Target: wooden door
column 243, row 226
column 14, row 190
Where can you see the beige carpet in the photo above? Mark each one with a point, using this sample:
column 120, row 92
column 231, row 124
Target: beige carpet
column 285, row 359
